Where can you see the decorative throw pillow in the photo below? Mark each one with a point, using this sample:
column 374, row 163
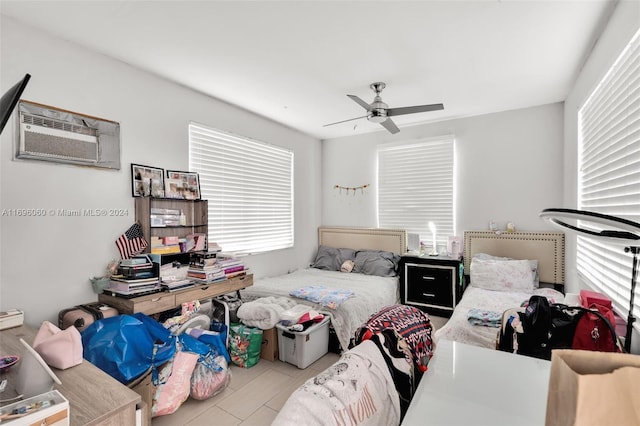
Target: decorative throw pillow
column 502, row 275
column 532, row 262
column 331, row 258
column 376, row 262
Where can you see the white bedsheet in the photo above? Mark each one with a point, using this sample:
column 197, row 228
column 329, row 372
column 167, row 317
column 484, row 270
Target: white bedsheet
column 458, row 328
column 372, row 293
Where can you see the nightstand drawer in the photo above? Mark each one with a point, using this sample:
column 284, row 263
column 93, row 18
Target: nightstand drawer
column 430, row 285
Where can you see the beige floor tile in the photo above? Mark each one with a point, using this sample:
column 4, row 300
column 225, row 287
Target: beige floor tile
column 263, row 416
column 290, row 369
column 438, row 322
column 241, row 376
column 277, row 402
column 214, row 416
column 247, row 399
column 192, row 408
column 325, row 362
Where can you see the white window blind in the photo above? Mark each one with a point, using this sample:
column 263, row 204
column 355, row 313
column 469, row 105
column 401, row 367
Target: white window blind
column 609, row 173
column 249, row 185
column 416, row 186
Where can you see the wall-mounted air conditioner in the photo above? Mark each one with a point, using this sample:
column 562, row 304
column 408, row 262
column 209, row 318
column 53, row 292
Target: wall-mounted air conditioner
column 52, row 134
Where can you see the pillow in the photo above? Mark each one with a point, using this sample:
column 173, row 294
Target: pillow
column 532, row 263
column 376, row 262
column 331, row 258
column 347, row 266
column 502, row 275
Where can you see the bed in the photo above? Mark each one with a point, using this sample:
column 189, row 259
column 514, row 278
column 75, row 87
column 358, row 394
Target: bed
column 482, row 301
column 371, row 292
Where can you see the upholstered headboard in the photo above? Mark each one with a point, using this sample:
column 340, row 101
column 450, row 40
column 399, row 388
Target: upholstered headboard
column 546, row 247
column 393, row 240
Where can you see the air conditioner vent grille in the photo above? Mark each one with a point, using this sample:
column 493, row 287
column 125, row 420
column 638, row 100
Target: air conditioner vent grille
column 51, row 123
column 53, row 146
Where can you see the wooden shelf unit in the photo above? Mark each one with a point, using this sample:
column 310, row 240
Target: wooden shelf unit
column 195, row 211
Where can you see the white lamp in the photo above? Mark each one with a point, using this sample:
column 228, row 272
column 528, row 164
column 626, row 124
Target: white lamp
column 434, row 250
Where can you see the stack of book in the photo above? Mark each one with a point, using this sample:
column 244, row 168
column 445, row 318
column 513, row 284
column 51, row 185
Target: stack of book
column 137, row 267
column 231, row 266
column 206, row 274
column 165, row 245
column 172, row 285
column 136, row 277
column 204, row 268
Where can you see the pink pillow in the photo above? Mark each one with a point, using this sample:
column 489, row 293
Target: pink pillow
column 59, row 348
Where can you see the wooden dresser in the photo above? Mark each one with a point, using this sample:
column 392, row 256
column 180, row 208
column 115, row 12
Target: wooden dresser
column 95, row 398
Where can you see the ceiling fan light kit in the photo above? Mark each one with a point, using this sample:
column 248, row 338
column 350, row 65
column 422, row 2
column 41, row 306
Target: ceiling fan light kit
column 379, row 112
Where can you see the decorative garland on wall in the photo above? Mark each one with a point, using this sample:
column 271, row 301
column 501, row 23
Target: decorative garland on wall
column 355, row 189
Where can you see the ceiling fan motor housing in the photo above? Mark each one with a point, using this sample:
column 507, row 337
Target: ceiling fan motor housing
column 378, row 111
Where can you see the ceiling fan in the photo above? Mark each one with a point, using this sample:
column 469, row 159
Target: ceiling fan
column 378, row 111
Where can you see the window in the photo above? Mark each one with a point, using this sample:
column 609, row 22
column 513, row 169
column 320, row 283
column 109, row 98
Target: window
column 249, row 185
column 415, row 186
column 609, row 173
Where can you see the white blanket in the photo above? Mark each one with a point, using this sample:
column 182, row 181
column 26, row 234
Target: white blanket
column 265, row 312
column 372, row 293
column 358, row 389
column 460, row 330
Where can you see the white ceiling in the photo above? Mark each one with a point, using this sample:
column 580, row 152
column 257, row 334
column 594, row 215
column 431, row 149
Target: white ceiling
column 295, row 61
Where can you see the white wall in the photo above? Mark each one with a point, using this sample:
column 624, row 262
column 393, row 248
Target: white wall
column 46, row 262
column 623, row 24
column 508, row 168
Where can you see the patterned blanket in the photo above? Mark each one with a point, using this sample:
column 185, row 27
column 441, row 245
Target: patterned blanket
column 329, row 297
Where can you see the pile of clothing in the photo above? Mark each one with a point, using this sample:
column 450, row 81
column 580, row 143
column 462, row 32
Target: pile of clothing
column 266, row 312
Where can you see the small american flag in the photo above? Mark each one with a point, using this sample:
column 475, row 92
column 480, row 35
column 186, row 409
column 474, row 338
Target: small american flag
column 131, row 242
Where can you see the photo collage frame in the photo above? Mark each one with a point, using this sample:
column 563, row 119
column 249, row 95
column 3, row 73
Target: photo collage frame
column 149, row 181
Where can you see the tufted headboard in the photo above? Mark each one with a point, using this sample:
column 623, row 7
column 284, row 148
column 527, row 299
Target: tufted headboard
column 393, row 240
column 546, row 247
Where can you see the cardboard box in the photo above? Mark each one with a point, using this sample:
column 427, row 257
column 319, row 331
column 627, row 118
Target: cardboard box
column 269, row 349
column 50, row 408
column 593, row 388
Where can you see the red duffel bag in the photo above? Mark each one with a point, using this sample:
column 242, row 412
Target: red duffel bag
column 595, row 332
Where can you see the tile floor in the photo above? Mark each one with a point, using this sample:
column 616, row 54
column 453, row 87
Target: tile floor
column 254, row 395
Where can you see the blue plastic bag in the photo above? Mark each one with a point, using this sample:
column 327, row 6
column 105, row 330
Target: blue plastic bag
column 125, row 346
column 217, row 341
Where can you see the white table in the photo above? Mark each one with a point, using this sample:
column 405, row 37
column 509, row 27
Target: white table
column 469, row 385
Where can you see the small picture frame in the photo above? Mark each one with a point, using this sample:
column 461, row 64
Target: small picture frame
column 183, row 185
column 147, row 181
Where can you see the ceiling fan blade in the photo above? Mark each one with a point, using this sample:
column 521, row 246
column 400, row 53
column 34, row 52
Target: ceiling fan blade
column 390, row 126
column 344, row 121
column 413, row 109
column 360, row 102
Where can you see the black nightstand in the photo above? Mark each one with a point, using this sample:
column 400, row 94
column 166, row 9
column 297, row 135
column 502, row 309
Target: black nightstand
column 432, row 283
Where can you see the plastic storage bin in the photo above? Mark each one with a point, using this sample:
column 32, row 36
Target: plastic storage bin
column 302, row 348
